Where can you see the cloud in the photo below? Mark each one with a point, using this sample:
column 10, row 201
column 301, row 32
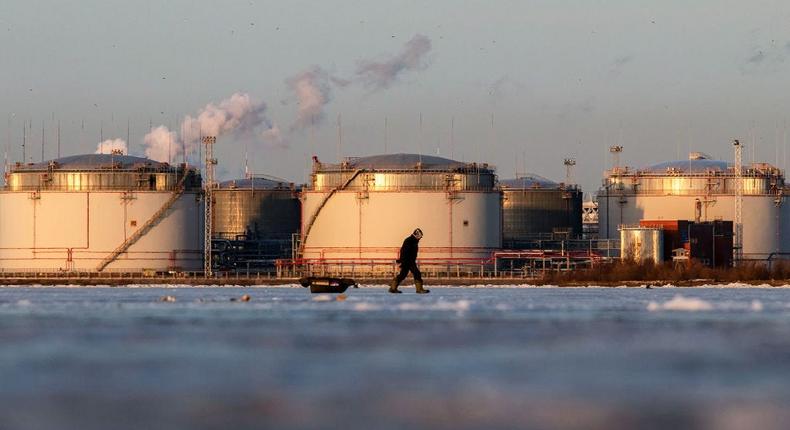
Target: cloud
column 619, row 64
column 110, row 145
column 765, row 59
column 502, row 86
column 622, row 60
column 757, row 58
column 378, row 75
column 575, row 109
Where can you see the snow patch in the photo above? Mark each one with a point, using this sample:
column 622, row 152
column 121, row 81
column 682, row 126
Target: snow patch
column 680, row 303
column 366, row 307
column 458, row 306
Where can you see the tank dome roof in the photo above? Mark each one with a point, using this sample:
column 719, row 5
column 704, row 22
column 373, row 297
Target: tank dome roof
column 701, row 165
column 404, row 162
column 528, row 181
column 95, row 162
column 255, row 184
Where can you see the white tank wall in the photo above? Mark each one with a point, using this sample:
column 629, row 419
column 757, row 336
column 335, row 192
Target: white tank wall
column 375, row 226
column 764, row 225
column 37, row 234
column 784, row 225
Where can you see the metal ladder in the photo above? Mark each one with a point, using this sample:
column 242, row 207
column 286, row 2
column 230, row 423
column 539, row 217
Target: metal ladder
column 321, row 206
column 155, row 218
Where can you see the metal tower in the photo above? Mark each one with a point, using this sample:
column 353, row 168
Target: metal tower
column 208, row 184
column 569, row 163
column 738, row 240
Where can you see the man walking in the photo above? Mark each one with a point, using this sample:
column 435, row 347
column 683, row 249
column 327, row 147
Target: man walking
column 408, row 263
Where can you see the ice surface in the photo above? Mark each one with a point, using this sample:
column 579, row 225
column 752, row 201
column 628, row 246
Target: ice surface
column 457, row 358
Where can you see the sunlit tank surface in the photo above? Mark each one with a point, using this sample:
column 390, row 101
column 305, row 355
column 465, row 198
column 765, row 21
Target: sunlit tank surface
column 534, row 207
column 101, row 212
column 641, row 244
column 364, row 207
column 704, row 189
column 256, row 209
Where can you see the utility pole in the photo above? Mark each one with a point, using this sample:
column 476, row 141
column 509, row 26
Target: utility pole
column 208, row 184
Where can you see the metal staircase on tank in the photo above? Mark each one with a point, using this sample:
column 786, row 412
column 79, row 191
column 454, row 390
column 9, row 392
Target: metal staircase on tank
column 321, row 206
column 155, row 218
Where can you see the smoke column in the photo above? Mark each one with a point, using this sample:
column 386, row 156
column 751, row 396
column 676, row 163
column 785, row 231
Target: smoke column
column 378, row 75
column 313, row 91
column 238, row 115
column 158, row 143
column 110, row 145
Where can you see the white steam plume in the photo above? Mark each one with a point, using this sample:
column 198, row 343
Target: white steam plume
column 238, row 115
column 160, row 144
column 110, row 145
column 381, row 74
column 313, row 92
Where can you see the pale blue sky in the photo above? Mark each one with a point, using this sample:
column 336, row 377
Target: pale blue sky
column 561, row 78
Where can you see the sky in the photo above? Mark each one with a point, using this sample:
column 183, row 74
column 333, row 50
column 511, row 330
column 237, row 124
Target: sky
column 521, row 84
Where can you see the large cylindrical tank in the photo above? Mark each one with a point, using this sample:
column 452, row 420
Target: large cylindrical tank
column 642, row 244
column 255, row 209
column 534, row 207
column 255, row 221
column 101, row 212
column 699, row 189
column 363, row 208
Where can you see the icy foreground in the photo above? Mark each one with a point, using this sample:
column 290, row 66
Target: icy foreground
column 458, row 358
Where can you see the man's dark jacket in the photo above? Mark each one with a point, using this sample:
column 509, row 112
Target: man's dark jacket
column 408, row 251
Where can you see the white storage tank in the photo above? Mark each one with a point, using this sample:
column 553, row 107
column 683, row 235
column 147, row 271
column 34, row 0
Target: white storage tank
column 101, row 212
column 363, row 208
column 699, row 189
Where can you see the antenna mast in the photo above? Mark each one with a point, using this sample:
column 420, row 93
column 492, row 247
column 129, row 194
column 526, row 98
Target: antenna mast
column 615, row 151
column 246, row 164
column 420, row 141
column 452, row 137
column 339, row 137
column 208, row 184
column 738, row 242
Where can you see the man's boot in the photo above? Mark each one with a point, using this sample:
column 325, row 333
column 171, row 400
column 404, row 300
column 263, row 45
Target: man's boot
column 394, row 286
column 419, row 288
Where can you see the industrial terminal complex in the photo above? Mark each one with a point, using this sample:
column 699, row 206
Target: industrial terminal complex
column 105, row 214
